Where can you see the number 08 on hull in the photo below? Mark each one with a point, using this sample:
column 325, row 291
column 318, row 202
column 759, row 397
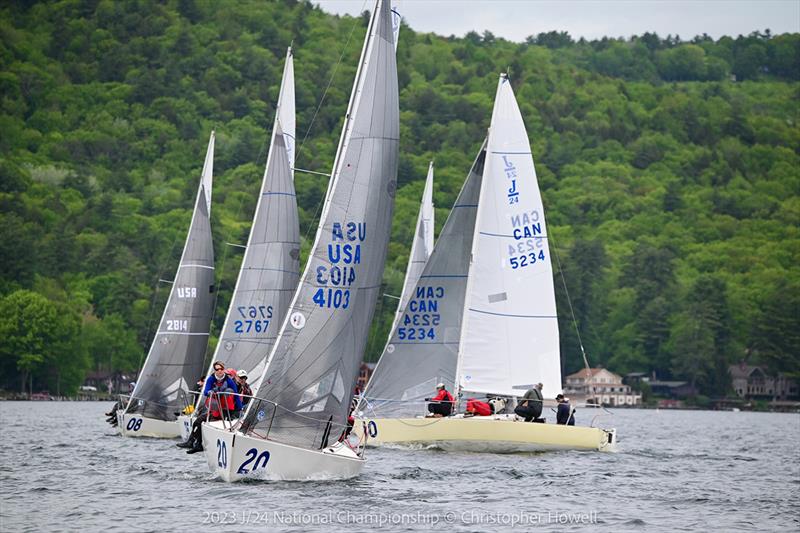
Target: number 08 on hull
column 133, row 425
column 232, row 456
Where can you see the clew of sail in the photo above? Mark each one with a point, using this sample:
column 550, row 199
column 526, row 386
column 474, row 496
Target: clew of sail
column 422, row 349
column 178, row 349
column 509, row 337
column 270, row 267
column 308, row 383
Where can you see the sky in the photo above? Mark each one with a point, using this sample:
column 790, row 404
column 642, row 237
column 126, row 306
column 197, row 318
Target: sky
column 514, row 20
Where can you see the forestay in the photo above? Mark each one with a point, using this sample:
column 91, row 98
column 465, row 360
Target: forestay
column 176, row 355
column 312, row 369
column 270, row 268
column 510, row 335
column 423, row 348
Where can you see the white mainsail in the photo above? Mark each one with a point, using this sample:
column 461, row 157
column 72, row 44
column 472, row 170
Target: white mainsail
column 270, row 267
column 509, row 338
column 421, row 246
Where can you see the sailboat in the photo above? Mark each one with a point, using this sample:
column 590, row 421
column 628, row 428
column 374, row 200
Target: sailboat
column 290, row 428
column 175, row 358
column 482, row 318
column 271, row 265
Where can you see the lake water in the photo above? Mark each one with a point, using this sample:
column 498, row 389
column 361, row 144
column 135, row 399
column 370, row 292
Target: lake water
column 62, row 468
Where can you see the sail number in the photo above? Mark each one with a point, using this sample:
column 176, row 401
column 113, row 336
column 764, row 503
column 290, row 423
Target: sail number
column 415, row 334
column 254, row 319
column 259, row 461
column 526, row 260
column 134, row 424
column 335, row 298
column 177, row 325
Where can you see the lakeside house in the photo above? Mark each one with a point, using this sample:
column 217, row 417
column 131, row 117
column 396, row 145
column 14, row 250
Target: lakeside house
column 600, row 386
column 754, row 383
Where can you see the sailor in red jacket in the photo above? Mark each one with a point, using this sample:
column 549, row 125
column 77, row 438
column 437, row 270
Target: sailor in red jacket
column 441, row 404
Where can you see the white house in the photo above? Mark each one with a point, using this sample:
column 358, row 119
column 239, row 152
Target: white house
column 599, row 385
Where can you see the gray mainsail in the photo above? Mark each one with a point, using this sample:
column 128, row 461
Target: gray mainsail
column 271, row 265
column 176, row 355
column 423, row 348
column 307, row 385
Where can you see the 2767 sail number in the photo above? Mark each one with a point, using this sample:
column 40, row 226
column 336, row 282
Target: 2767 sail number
column 526, row 260
column 256, row 319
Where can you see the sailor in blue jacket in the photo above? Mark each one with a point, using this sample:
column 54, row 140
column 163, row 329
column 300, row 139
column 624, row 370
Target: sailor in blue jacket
column 564, row 415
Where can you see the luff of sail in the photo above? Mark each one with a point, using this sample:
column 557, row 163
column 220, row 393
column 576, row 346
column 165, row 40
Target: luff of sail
column 509, row 338
column 423, row 348
column 312, row 369
column 270, row 266
column 176, row 355
column 422, row 245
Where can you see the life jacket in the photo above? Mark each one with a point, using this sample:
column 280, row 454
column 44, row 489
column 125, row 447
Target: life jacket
column 478, row 407
column 220, row 386
column 444, row 397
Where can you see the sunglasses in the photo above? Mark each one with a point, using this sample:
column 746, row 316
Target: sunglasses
column 217, row 368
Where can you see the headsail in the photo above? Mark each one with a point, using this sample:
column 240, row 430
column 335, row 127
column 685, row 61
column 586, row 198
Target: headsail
column 312, row 369
column 509, row 338
column 270, row 267
column 423, row 347
column 422, row 245
column 176, row 356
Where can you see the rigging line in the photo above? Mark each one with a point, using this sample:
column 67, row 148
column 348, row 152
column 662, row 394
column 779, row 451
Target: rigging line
column 316, row 112
column 572, row 312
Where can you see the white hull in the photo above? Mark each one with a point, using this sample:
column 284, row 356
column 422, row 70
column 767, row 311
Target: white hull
column 232, row 456
column 492, row 434
column 133, row 425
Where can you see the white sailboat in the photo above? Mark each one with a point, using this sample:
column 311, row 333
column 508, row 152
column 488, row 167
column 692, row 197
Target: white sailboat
column 270, row 268
column 176, row 355
column 483, row 315
column 304, row 398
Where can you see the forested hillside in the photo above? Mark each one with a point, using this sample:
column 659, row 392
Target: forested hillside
column 670, row 172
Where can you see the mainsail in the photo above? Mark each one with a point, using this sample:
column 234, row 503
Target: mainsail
column 421, row 247
column 509, row 338
column 270, row 267
column 423, row 348
column 176, row 355
column 308, row 383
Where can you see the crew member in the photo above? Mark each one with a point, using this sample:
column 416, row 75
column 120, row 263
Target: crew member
column 441, row 404
column 219, row 404
column 565, row 415
column 530, row 407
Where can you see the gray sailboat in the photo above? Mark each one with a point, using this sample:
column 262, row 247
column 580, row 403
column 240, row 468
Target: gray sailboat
column 175, row 359
column 270, row 267
column 305, row 394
